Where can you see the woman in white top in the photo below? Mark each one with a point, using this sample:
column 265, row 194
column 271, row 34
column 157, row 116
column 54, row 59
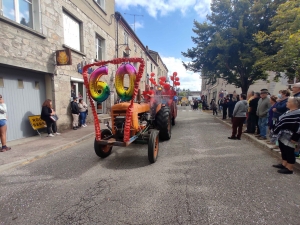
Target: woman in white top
column 3, row 126
column 83, row 112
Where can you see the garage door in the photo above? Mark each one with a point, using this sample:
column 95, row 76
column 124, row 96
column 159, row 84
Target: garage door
column 24, row 93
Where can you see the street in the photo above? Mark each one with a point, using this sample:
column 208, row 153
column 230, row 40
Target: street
column 200, row 178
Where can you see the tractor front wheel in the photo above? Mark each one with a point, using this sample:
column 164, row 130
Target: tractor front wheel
column 153, row 146
column 163, row 122
column 103, row 150
column 173, row 121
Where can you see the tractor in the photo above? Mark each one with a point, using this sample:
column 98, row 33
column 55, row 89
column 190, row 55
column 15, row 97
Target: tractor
column 147, row 121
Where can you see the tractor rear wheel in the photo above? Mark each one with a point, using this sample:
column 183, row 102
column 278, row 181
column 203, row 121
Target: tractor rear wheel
column 153, row 146
column 103, row 150
column 163, row 122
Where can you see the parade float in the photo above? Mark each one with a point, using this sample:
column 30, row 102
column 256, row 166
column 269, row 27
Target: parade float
column 148, row 120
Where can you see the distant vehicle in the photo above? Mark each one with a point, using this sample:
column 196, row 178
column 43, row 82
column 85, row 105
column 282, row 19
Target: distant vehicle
column 184, row 101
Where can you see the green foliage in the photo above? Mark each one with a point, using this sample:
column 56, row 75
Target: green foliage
column 182, row 94
column 224, row 44
column 279, row 50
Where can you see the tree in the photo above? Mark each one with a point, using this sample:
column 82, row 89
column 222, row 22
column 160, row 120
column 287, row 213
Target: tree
column 188, row 92
column 224, row 44
column 279, row 50
column 182, row 94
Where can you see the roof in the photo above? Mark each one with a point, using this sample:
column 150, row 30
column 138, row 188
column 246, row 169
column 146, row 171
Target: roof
column 156, row 53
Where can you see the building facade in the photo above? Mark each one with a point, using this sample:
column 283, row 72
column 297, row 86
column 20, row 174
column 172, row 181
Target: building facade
column 31, row 32
column 129, row 45
column 44, row 46
column 221, row 88
column 162, row 70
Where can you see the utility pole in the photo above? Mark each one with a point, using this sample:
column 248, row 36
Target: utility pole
column 134, row 15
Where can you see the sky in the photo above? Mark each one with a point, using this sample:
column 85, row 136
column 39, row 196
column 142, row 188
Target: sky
column 166, row 27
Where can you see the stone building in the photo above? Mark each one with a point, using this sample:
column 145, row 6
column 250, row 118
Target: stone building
column 129, row 45
column 162, row 69
column 30, row 34
column 221, row 88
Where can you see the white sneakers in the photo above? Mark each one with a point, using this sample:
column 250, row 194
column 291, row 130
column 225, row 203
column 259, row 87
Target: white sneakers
column 52, row 135
column 84, row 125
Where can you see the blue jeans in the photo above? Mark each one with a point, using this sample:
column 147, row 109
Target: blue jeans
column 263, row 124
column 82, row 118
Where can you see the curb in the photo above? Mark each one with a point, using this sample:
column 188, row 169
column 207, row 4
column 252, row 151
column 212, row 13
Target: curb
column 44, row 153
column 262, row 144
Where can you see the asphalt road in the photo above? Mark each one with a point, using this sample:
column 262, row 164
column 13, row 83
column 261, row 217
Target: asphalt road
column 200, row 178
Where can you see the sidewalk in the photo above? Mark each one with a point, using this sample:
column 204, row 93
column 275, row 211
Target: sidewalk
column 252, row 138
column 26, row 150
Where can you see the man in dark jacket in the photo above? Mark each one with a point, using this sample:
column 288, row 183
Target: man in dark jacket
column 252, row 121
column 225, row 107
column 75, row 112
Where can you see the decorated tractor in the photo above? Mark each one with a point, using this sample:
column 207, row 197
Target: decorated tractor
column 147, row 121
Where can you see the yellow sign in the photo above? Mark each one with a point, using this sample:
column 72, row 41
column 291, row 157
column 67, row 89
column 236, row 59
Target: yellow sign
column 36, row 122
column 63, row 57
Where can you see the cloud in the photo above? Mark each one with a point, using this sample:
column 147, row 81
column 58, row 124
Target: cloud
column 138, row 25
column 163, row 7
column 188, row 79
column 201, row 7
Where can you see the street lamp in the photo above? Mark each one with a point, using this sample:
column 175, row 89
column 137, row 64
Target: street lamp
column 127, row 49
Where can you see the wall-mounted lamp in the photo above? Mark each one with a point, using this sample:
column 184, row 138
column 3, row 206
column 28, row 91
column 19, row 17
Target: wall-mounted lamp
column 127, row 49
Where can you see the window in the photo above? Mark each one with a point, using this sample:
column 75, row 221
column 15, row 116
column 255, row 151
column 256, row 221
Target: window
column 25, row 12
column 71, row 31
column 1, row 82
column 151, row 68
column 135, row 48
column 100, row 43
column 125, row 38
column 101, row 3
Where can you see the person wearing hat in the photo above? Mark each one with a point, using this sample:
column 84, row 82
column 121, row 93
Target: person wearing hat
column 75, row 112
column 263, row 107
column 296, row 89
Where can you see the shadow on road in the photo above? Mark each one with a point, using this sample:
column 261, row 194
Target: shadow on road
column 135, row 156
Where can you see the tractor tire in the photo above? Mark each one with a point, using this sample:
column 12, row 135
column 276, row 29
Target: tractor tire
column 103, row 150
column 173, row 121
column 163, row 122
column 153, row 146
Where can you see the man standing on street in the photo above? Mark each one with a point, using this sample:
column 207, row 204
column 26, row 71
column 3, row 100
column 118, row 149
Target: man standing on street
column 75, row 112
column 262, row 113
column 296, row 89
column 220, row 105
column 225, row 107
column 239, row 116
column 252, row 121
